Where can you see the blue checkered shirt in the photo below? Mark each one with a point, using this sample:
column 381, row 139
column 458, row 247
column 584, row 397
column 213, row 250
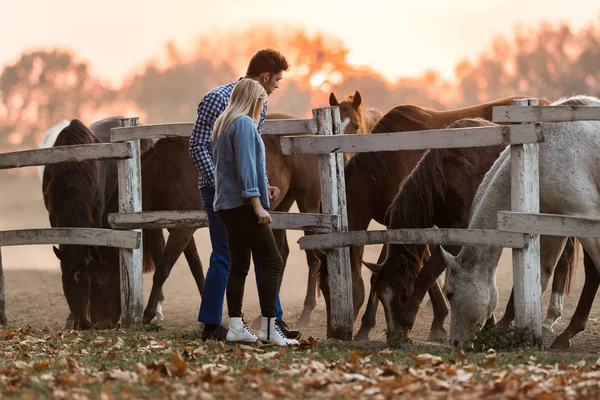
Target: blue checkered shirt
column 209, row 109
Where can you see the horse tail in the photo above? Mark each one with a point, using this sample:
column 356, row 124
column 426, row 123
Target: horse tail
column 153, row 241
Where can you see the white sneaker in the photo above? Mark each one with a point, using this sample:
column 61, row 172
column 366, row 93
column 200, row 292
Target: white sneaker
column 239, row 332
column 270, row 333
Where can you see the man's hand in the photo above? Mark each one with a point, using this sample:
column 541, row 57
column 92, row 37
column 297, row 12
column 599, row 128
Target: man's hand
column 273, row 192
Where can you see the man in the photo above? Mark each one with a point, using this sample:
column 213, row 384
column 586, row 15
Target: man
column 266, row 67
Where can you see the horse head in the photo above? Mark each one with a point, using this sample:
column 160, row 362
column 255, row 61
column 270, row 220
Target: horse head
column 350, row 113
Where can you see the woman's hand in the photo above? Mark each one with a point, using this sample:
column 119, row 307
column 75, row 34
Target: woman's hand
column 273, row 192
column 263, row 216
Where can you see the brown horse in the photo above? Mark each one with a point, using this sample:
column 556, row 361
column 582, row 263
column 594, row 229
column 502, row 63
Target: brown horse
column 356, row 118
column 75, row 195
column 372, row 182
column 439, row 192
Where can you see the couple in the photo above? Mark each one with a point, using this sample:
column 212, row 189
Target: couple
column 230, row 156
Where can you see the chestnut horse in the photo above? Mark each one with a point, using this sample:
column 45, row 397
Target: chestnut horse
column 440, row 192
column 372, row 182
column 355, row 117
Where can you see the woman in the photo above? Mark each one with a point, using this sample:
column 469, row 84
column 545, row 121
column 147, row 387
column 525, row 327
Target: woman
column 241, row 201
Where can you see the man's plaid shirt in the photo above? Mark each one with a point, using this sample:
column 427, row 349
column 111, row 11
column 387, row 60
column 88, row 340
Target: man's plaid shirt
column 209, row 109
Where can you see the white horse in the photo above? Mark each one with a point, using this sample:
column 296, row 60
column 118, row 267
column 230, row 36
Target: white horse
column 49, row 139
column 569, row 185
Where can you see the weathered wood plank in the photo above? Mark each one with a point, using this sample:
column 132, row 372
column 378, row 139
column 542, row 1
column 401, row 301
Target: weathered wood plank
column 525, row 197
column 3, row 320
column 183, row 129
column 338, row 268
column 55, row 155
column 548, row 224
column 455, row 237
column 198, row 219
column 545, row 114
column 130, row 260
column 80, row 236
column 419, row 140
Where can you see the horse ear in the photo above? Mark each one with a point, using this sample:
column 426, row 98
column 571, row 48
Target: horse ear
column 357, row 100
column 57, row 252
column 333, row 101
column 375, row 268
column 449, row 259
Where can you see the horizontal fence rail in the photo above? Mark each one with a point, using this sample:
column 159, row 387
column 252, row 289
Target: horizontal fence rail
column 418, row 140
column 79, row 236
column 271, row 127
column 61, row 154
column 545, row 113
column 457, row 237
column 548, row 224
column 198, row 219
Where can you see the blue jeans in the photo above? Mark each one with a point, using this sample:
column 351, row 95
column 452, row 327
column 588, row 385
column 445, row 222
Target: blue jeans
column 211, row 306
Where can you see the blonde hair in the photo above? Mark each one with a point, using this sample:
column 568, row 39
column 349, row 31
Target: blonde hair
column 245, row 100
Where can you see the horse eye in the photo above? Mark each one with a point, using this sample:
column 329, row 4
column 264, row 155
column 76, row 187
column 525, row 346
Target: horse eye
column 356, row 126
column 449, row 295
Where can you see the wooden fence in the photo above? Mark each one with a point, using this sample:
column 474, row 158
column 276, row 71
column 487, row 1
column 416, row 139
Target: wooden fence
column 519, row 229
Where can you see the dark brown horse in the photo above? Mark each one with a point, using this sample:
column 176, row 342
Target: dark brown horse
column 372, row 182
column 439, row 192
column 75, row 195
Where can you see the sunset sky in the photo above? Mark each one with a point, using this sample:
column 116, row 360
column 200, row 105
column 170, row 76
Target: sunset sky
column 397, row 38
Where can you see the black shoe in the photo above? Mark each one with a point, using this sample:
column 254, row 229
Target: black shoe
column 289, row 333
column 214, row 332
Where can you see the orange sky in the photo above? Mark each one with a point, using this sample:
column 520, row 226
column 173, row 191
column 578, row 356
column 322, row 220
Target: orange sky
column 396, row 38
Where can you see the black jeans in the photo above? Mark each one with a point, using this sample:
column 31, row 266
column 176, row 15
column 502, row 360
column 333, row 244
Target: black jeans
column 245, row 235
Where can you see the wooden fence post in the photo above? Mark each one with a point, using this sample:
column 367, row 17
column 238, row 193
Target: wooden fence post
column 130, row 260
column 525, row 197
column 333, row 200
column 2, row 302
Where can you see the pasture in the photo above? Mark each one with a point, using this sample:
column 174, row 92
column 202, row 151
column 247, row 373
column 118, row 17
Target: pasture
column 145, row 363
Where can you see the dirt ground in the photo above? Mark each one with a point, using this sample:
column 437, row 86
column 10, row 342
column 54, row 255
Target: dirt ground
column 34, row 292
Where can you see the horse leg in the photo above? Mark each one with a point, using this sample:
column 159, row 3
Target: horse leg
column 69, row 323
column 559, row 284
column 426, row 278
column 154, row 246
column 369, row 318
column 437, row 333
column 193, row 259
column 177, row 242
column 584, row 306
column 309, row 202
column 557, row 288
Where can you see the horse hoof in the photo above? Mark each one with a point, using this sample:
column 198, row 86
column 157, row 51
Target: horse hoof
column 561, row 343
column 438, row 335
column 362, row 336
column 147, row 319
column 159, row 312
column 547, row 332
column 303, row 321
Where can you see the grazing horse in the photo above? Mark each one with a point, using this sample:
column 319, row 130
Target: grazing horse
column 439, row 192
column 75, row 195
column 372, row 182
column 569, row 185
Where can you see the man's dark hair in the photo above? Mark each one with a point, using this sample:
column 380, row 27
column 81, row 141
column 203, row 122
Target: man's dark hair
column 267, row 60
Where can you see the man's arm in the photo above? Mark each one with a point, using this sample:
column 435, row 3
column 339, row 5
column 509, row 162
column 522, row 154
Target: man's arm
column 209, row 109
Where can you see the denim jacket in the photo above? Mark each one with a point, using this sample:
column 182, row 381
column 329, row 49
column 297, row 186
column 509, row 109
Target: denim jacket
column 240, row 164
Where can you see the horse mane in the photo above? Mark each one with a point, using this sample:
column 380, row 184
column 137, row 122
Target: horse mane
column 72, row 189
column 579, row 100
column 395, row 120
